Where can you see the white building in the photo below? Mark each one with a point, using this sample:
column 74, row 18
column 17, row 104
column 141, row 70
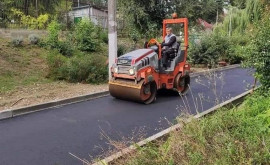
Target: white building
column 97, row 15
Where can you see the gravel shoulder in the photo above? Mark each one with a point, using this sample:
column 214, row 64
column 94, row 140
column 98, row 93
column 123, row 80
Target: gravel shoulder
column 41, row 93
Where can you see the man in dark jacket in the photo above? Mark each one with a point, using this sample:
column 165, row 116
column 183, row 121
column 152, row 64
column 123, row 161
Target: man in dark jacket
column 168, row 46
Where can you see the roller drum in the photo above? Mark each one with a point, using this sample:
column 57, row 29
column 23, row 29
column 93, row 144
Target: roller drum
column 127, row 90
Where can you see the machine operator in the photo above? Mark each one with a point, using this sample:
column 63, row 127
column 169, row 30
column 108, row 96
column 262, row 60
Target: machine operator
column 168, row 46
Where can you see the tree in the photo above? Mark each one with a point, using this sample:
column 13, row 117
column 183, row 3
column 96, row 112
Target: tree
column 144, row 16
column 258, row 51
column 31, row 7
column 147, row 16
column 194, row 9
column 241, row 4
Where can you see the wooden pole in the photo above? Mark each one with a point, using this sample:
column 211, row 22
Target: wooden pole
column 112, row 33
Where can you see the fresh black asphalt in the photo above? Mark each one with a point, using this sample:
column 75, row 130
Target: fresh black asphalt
column 47, row 137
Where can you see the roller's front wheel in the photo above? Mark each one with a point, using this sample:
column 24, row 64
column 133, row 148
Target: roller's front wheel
column 148, row 92
column 181, row 83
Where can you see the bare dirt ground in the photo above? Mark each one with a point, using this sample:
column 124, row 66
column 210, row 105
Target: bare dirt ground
column 41, row 93
column 193, row 70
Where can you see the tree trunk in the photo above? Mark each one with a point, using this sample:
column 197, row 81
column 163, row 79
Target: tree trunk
column 26, row 5
column 37, row 8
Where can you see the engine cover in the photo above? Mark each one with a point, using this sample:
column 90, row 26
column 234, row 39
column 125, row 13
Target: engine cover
column 137, row 59
column 133, row 57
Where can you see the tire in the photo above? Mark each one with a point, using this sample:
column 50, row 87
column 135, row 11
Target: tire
column 153, row 92
column 181, row 83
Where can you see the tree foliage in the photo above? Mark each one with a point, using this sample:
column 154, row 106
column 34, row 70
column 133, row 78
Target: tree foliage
column 87, row 36
column 32, row 7
column 258, row 53
column 241, row 4
column 238, row 20
column 229, row 40
column 33, row 13
column 31, row 22
column 194, row 9
column 147, row 16
column 215, row 47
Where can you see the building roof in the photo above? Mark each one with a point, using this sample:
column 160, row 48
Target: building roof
column 88, row 6
column 85, row 5
column 80, row 7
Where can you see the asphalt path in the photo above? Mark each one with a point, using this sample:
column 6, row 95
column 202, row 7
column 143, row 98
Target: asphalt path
column 47, row 137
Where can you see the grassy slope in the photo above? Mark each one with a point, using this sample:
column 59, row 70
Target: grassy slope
column 21, row 66
column 27, row 65
column 237, row 136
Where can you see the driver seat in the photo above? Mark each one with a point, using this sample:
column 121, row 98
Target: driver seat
column 174, row 54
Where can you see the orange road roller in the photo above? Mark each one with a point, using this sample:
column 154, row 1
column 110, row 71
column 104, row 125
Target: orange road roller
column 138, row 75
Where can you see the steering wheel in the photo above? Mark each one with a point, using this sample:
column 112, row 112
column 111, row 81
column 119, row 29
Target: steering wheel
column 155, row 42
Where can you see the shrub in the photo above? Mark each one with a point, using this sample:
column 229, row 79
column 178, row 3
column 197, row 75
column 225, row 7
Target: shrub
column 258, row 53
column 86, row 35
column 121, row 49
column 42, row 21
column 34, row 39
column 79, row 68
column 104, row 36
column 31, row 22
column 236, row 51
column 215, row 47
column 17, row 41
column 57, row 65
column 65, row 48
column 54, row 29
column 42, row 42
column 134, row 34
column 87, row 68
column 210, row 49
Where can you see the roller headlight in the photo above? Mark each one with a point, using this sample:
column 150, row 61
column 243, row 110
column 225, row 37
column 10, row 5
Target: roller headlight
column 115, row 70
column 131, row 71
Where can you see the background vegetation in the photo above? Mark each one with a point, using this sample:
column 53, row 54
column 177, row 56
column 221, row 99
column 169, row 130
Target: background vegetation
column 236, row 37
column 79, row 55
